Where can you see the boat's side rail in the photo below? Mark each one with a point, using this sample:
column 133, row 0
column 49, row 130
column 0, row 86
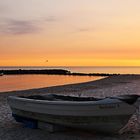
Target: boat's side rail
column 104, row 107
column 63, row 102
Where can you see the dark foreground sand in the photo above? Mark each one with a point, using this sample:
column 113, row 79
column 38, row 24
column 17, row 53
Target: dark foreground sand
column 114, row 85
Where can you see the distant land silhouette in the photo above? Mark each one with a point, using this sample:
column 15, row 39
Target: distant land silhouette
column 52, row 71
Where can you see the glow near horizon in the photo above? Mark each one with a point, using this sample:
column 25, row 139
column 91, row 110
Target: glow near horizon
column 70, row 33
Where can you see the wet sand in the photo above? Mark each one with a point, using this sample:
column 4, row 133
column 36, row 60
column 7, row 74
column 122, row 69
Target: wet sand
column 110, row 86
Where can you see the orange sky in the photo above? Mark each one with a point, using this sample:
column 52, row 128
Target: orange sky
column 70, row 33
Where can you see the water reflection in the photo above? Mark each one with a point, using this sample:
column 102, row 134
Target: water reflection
column 20, row 82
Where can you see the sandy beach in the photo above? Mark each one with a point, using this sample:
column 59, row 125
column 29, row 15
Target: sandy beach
column 109, row 86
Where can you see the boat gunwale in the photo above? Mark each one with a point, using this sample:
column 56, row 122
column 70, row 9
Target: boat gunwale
column 105, row 101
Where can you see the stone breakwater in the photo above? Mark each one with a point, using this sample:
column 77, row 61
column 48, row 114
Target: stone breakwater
column 110, row 86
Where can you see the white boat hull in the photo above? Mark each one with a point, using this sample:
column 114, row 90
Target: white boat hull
column 108, row 115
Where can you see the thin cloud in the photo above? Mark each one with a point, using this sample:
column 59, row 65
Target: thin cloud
column 84, row 29
column 50, row 19
column 18, row 27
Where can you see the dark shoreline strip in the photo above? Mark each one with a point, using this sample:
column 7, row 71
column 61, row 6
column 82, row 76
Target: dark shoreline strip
column 51, row 72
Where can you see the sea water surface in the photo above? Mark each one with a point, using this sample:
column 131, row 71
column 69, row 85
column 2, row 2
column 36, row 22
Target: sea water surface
column 22, row 82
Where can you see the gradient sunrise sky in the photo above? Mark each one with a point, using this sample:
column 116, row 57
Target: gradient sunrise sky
column 69, row 32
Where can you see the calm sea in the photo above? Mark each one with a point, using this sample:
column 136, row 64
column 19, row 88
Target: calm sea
column 21, row 82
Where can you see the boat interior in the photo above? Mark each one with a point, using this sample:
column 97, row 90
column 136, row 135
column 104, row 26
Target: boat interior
column 55, row 97
column 130, row 99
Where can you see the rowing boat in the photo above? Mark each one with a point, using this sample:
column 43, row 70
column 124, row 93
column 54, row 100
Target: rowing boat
column 108, row 114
